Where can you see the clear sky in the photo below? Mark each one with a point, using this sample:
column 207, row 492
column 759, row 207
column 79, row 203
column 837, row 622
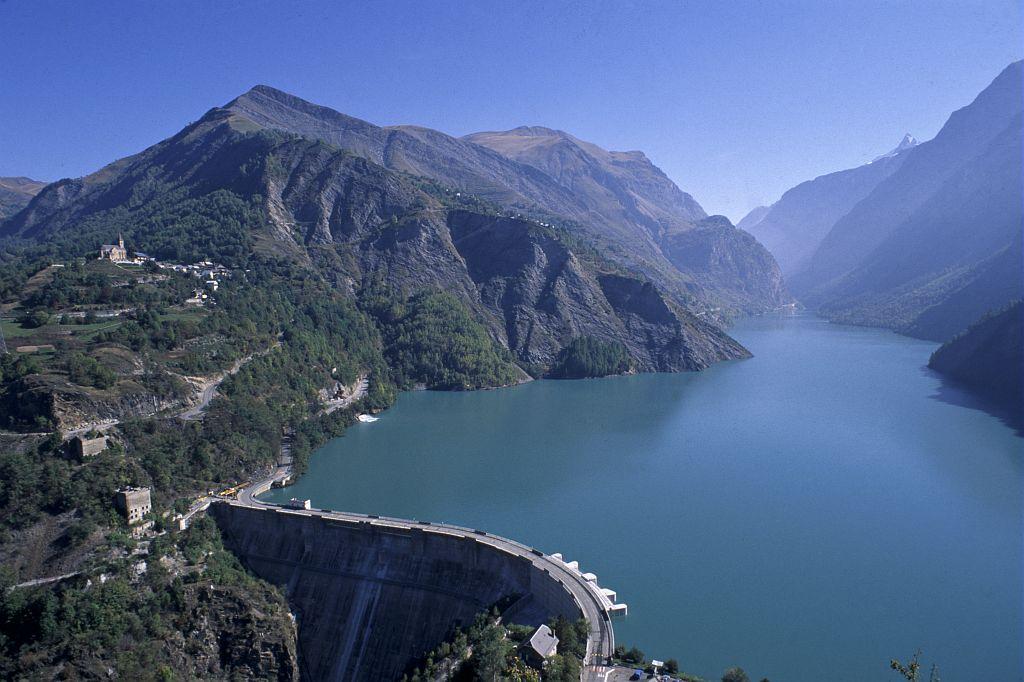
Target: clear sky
column 736, row 101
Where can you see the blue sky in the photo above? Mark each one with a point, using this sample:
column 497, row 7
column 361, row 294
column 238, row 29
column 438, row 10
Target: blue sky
column 736, row 101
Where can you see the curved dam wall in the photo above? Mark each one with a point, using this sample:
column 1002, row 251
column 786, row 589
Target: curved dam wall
column 369, row 598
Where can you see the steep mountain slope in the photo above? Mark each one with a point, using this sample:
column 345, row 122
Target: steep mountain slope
column 15, row 193
column 226, row 187
column 966, row 236
column 946, row 222
column 625, row 186
column 730, row 261
column 465, row 166
column 733, row 268
column 794, row 226
column 618, row 201
column 988, row 357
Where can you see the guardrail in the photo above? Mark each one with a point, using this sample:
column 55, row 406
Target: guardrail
column 601, row 631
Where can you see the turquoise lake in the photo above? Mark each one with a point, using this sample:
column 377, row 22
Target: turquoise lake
column 806, row 514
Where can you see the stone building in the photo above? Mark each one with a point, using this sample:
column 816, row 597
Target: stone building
column 114, row 252
column 134, row 503
column 87, row 447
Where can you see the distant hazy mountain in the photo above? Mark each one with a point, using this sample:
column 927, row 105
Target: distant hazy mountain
column 988, row 357
column 235, row 187
column 755, row 216
column 937, row 242
column 15, row 193
column 627, row 189
column 795, row 225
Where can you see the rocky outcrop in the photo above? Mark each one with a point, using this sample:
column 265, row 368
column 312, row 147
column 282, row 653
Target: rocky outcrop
column 619, row 199
column 644, row 212
column 546, row 296
column 226, row 636
column 525, row 284
column 69, row 406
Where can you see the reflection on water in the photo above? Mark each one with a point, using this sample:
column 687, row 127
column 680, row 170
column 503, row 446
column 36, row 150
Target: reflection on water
column 952, row 393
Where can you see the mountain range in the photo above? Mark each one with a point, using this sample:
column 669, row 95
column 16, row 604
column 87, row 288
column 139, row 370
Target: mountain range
column 538, row 257
column 924, row 240
column 794, row 226
column 618, row 201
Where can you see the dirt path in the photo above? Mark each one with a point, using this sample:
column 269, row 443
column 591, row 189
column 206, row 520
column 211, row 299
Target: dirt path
column 208, row 390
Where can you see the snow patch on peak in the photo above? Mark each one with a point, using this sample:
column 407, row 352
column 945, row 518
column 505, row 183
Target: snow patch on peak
column 908, row 142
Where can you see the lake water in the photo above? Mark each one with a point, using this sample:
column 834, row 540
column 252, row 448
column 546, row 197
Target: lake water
column 806, row 514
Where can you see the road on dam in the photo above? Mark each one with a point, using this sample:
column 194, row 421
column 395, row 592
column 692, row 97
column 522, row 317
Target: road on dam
column 596, row 604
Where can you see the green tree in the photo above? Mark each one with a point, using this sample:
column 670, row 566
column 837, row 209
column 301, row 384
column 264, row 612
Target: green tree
column 586, row 356
column 35, row 319
column 912, row 669
column 735, row 675
column 562, row 668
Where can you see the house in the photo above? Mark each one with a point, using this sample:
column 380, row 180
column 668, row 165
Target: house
column 296, row 503
column 541, row 646
column 87, row 447
column 134, row 503
column 114, row 252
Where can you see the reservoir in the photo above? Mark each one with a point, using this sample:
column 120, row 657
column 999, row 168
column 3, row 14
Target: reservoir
column 806, row 514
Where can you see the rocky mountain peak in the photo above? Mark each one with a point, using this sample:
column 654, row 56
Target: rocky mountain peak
column 908, row 142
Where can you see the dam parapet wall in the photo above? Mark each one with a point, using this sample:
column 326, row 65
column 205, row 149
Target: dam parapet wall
column 371, row 597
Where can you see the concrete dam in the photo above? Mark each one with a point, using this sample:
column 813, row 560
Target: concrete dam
column 373, row 595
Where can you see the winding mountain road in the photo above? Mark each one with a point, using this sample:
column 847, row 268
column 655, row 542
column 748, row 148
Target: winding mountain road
column 209, row 387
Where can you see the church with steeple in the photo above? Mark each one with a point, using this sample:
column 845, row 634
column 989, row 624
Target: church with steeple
column 114, row 252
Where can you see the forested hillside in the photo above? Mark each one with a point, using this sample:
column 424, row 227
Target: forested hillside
column 989, row 357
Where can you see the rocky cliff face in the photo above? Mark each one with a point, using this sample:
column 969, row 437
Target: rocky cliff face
column 742, row 272
column 72, row 407
column 225, row 636
column 618, row 200
column 545, row 295
column 653, row 216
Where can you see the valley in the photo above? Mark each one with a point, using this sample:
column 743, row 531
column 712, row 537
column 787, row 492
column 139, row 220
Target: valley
column 288, row 393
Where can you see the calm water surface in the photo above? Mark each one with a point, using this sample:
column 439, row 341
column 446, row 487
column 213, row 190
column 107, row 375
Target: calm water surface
column 806, row 514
